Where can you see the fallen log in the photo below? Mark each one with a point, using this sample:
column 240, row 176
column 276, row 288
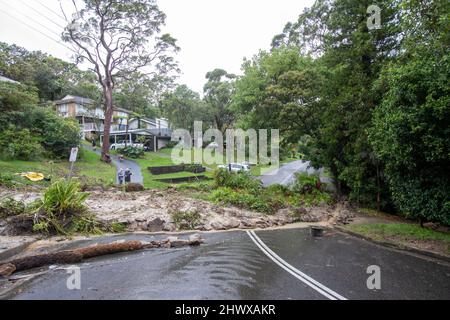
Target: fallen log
column 77, row 255
column 109, row 248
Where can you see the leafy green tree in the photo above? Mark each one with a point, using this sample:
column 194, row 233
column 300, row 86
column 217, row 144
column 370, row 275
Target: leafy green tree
column 142, row 94
column 279, row 89
column 53, row 78
column 119, row 38
column 183, row 106
column 410, row 132
column 217, row 94
column 25, row 128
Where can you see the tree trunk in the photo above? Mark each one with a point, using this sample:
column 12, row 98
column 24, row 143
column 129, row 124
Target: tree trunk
column 107, row 92
column 378, row 190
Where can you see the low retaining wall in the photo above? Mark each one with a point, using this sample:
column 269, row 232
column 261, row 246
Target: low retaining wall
column 177, row 168
column 184, row 179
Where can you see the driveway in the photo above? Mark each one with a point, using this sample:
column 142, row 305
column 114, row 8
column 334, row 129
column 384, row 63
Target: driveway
column 270, row 264
column 285, row 174
column 136, row 177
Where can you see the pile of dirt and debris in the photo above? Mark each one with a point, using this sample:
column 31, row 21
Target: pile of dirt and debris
column 170, row 210
column 155, row 210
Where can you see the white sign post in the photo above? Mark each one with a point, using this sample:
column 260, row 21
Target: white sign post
column 72, row 159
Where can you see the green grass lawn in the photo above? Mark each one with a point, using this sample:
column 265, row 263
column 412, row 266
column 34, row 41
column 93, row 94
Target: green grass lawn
column 402, row 232
column 88, row 169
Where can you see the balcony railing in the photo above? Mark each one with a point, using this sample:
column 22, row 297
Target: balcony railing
column 163, row 132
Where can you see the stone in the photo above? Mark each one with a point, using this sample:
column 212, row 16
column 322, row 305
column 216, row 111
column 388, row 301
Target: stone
column 195, row 237
column 232, row 223
column 309, row 217
column 155, row 225
column 7, row 269
column 176, row 243
column 169, row 226
column 216, row 225
column 133, row 187
column 301, row 211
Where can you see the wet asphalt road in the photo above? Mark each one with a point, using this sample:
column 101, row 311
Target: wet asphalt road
column 231, row 266
column 285, row 174
column 136, row 176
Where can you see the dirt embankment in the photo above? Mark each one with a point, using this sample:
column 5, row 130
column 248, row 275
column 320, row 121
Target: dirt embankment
column 171, row 210
column 155, row 211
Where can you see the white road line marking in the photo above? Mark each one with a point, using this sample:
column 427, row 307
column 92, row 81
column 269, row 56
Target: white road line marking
column 323, row 290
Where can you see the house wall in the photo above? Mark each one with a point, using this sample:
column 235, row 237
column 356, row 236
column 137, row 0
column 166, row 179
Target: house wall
column 162, row 143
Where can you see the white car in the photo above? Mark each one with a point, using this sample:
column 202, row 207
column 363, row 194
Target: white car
column 235, row 167
column 121, row 145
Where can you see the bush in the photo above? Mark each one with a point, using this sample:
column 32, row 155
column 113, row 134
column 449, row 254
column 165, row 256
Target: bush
column 131, row 152
column 86, row 224
column 410, row 135
column 34, row 127
column 223, row 178
column 305, row 183
column 7, row 180
column 59, row 135
column 10, row 207
column 19, row 144
column 115, row 227
column 244, row 199
column 62, row 201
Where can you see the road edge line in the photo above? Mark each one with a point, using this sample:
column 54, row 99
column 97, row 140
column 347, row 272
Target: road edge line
column 320, row 288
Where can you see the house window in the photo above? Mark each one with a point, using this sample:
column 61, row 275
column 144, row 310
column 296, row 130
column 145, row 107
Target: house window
column 63, row 110
column 80, row 109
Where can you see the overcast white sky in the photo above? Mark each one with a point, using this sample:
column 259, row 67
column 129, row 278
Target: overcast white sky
column 211, row 33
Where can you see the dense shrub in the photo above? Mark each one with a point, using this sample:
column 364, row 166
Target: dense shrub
column 410, row 135
column 58, row 135
column 244, row 199
column 26, row 129
column 223, row 178
column 131, row 152
column 305, row 183
column 19, row 144
column 10, row 207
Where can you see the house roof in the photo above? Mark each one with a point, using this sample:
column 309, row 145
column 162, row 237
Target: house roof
column 5, row 79
column 76, row 99
column 122, row 110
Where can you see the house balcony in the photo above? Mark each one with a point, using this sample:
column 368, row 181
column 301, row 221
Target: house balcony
column 162, row 132
column 88, row 127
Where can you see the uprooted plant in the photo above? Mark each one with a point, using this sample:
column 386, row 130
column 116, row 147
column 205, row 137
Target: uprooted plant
column 61, row 206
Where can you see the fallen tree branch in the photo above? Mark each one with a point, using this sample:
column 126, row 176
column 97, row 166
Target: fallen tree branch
column 77, row 255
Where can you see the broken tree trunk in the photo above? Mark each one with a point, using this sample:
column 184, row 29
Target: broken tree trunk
column 77, row 255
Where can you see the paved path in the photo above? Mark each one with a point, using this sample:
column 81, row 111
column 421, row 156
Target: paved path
column 285, row 174
column 135, row 168
column 270, row 264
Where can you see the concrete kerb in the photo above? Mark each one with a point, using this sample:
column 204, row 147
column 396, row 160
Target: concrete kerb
column 396, row 246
